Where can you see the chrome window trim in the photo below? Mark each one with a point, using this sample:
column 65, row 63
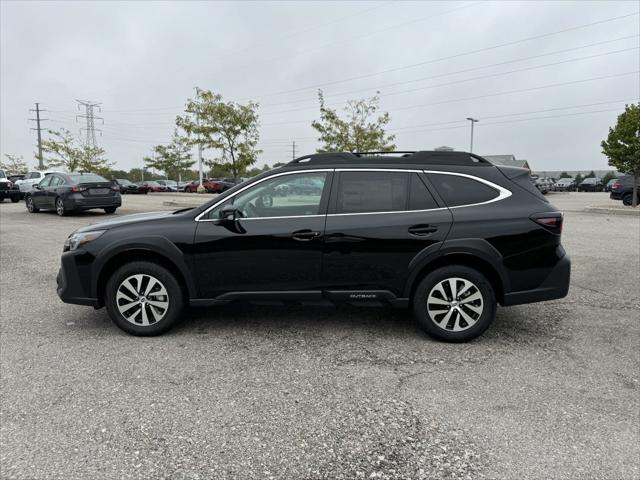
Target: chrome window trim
column 199, row 217
column 502, row 192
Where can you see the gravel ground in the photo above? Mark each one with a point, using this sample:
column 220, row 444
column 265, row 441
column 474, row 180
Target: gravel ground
column 551, row 391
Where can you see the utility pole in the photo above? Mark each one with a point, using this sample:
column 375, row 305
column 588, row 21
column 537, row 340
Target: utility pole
column 294, row 150
column 90, row 141
column 39, row 129
column 200, row 186
column 472, row 120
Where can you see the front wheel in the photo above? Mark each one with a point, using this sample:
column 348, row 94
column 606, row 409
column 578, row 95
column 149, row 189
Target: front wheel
column 15, row 199
column 454, row 303
column 110, row 209
column 31, row 206
column 144, row 298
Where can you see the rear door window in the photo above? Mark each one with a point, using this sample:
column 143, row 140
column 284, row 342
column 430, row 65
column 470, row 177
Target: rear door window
column 457, row 191
column 368, row 192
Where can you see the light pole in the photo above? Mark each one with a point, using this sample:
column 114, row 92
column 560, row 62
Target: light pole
column 472, row 120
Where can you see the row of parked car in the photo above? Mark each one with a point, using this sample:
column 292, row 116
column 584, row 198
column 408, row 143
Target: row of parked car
column 591, row 184
column 211, row 185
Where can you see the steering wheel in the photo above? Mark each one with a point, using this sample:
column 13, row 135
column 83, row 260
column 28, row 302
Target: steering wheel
column 249, row 211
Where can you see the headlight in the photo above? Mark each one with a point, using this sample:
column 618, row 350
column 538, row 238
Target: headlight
column 75, row 240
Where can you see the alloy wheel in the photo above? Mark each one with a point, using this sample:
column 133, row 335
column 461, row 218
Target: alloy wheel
column 455, row 304
column 30, row 204
column 59, row 207
column 142, row 300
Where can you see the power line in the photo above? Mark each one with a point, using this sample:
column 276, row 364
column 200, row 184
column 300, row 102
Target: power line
column 466, row 70
column 39, row 130
column 482, row 77
column 448, row 57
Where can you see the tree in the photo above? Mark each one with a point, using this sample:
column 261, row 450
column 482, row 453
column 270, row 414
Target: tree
column 565, row 175
column 591, row 174
column 173, row 159
column 74, row 156
column 135, row 175
column 118, row 174
column 358, row 132
column 579, row 179
column 228, row 127
column 14, row 164
column 622, row 146
column 608, row 176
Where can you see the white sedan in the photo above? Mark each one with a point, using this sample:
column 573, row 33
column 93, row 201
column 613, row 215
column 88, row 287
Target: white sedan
column 32, row 178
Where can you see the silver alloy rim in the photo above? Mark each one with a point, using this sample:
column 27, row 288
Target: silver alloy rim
column 30, row 204
column 59, row 207
column 142, row 300
column 455, row 304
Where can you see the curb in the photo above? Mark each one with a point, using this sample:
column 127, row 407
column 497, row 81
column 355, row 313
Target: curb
column 613, row 211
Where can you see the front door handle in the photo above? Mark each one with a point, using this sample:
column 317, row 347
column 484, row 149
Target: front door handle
column 304, row 235
column 422, row 230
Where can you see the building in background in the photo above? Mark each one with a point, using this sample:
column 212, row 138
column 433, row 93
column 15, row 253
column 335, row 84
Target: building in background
column 507, row 161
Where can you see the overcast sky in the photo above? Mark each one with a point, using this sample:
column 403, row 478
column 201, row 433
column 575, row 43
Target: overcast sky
column 529, row 71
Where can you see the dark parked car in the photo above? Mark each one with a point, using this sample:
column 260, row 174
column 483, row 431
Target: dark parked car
column 15, row 177
column 622, row 189
column 609, row 185
column 127, row 186
column 565, row 185
column 591, row 184
column 446, row 234
column 70, row 192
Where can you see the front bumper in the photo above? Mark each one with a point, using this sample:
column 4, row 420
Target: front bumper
column 74, row 279
column 555, row 286
column 10, row 193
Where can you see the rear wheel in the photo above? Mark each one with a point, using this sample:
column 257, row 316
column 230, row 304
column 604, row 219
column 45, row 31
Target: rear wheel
column 144, row 298
column 31, row 206
column 110, row 209
column 627, row 199
column 454, row 303
column 60, row 209
column 15, row 199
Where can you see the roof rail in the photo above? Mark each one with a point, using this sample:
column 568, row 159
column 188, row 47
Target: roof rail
column 420, row 157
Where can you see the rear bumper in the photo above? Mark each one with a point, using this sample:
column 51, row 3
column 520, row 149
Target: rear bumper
column 72, row 280
column 615, row 195
column 80, row 202
column 555, row 286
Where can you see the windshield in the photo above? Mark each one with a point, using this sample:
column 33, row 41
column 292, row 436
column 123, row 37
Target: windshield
column 2, row 175
column 88, row 178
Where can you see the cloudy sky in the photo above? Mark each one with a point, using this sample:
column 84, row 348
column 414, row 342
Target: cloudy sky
column 545, row 79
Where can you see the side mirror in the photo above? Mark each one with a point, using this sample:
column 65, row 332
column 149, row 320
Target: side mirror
column 37, row 186
column 227, row 215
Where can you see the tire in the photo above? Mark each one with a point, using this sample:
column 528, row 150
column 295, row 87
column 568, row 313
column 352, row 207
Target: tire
column 15, row 199
column 110, row 209
column 60, row 208
column 627, row 199
column 480, row 311
column 31, row 207
column 158, row 320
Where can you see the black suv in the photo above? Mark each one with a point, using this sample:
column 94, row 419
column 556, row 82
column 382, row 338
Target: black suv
column 622, row 189
column 446, row 234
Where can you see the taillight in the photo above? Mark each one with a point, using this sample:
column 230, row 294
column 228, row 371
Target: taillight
column 550, row 221
column 616, row 185
column 76, row 189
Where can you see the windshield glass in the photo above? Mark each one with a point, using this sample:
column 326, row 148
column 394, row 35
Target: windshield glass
column 88, row 178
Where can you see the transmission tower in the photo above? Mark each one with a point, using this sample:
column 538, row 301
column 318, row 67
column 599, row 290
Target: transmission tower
column 90, row 130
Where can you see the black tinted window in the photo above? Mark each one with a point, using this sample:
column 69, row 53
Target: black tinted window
column 360, row 192
column 419, row 196
column 456, row 190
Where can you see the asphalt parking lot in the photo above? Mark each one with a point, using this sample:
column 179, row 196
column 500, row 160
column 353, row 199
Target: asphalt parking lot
column 551, row 391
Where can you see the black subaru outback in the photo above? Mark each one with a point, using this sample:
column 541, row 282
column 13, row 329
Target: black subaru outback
column 446, row 234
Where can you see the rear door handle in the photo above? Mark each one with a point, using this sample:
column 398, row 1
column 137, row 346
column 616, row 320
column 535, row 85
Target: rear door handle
column 422, row 230
column 304, row 235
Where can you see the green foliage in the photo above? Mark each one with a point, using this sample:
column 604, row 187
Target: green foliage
column 622, row 146
column 135, row 175
column 609, row 176
column 173, row 159
column 278, row 164
column 118, row 174
column 14, row 164
column 72, row 155
column 590, row 175
column 579, row 179
column 228, row 127
column 358, row 132
column 565, row 175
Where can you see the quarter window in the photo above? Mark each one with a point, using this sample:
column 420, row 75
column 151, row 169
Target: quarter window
column 419, row 196
column 456, row 190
